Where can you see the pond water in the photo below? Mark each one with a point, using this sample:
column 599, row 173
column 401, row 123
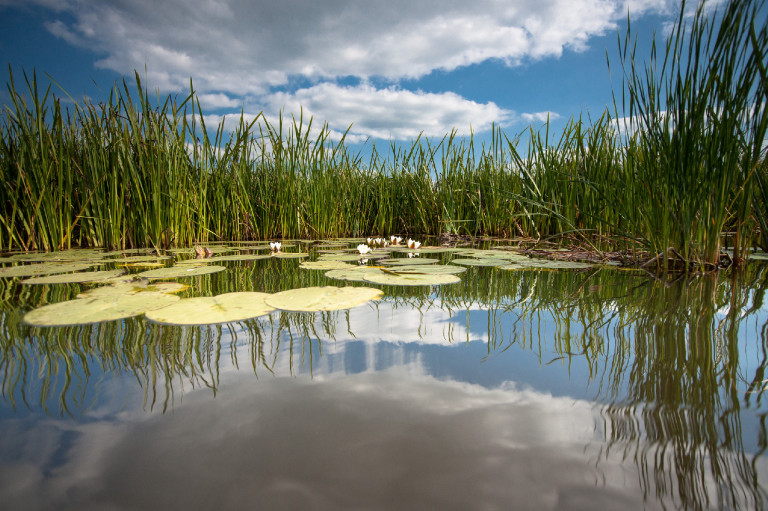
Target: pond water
column 593, row 388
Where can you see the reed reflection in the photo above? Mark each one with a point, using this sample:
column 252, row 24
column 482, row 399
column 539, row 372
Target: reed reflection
column 677, row 364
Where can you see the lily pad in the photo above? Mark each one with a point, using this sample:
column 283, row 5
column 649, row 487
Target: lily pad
column 133, row 288
column 216, row 259
column 71, row 278
column 209, row 310
column 484, row 261
column 547, row 264
column 411, row 279
column 325, row 265
column 138, row 259
column 180, row 271
column 353, row 274
column 409, row 261
column 352, row 257
column 97, row 309
column 32, row 270
column 312, row 299
column 430, row 269
column 290, row 255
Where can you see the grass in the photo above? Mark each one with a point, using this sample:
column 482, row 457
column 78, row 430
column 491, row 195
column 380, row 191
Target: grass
column 138, row 170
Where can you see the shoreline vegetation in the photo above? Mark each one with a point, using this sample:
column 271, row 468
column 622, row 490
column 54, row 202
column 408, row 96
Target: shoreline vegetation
column 669, row 183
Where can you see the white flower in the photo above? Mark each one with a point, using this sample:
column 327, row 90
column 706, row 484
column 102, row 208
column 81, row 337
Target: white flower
column 275, row 246
column 363, row 249
column 413, row 254
column 370, row 241
column 378, row 242
column 413, row 244
column 395, row 240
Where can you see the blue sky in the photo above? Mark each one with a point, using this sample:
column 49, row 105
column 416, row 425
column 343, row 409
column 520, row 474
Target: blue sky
column 390, row 69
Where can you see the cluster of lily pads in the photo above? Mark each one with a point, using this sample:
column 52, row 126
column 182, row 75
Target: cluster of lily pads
column 125, row 292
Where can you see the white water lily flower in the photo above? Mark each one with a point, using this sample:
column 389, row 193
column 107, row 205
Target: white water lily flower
column 378, row 242
column 395, row 240
column 363, row 248
column 370, row 241
column 275, row 246
column 413, row 244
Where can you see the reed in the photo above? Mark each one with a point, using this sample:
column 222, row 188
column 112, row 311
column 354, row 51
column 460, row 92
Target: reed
column 139, row 170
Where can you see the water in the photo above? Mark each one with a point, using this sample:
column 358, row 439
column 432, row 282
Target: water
column 595, row 389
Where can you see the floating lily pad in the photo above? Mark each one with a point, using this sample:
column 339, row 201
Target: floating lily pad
column 97, row 309
column 290, row 255
column 352, row 257
column 212, row 247
column 180, row 271
column 209, row 310
column 311, row 299
column 431, row 269
column 72, row 255
column 32, row 270
column 325, row 265
column 547, row 264
column 133, row 288
column 485, row 261
column 138, row 259
column 411, row 279
column 216, row 259
column 353, row 274
column 71, row 278
column 148, row 264
column 409, row 261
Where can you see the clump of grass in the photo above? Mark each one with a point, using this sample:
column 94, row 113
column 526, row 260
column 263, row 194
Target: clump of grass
column 699, row 117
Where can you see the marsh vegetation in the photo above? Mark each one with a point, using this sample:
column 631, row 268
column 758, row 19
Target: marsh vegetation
column 672, row 174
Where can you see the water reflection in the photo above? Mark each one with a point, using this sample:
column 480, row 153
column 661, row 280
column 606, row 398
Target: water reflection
column 556, row 387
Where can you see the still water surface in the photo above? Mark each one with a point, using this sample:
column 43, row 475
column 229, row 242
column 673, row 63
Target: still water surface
column 590, row 389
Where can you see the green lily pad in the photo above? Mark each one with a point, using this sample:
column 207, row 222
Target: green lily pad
column 352, row 257
column 133, row 288
column 138, row 259
column 411, row 279
column 33, row 270
column 430, row 269
column 328, row 298
column 209, row 310
column 180, row 271
column 547, row 264
column 216, row 259
column 485, row 261
column 71, row 278
column 409, row 261
column 325, row 265
column 290, row 255
column 212, row 247
column 353, row 274
column 97, row 309
column 148, row 264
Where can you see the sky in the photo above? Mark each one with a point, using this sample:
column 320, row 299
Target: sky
column 390, row 70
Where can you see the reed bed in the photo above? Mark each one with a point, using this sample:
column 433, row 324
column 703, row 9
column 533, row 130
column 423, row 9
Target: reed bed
column 686, row 166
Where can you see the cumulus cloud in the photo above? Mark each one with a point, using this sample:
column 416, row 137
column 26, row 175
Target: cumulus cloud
column 243, row 47
column 236, row 49
column 389, row 113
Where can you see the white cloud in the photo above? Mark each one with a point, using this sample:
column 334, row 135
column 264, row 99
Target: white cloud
column 389, row 113
column 243, row 47
column 239, row 51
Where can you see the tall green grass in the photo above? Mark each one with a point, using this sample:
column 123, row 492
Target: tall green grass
column 139, row 170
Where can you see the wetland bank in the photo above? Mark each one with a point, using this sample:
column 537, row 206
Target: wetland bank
column 583, row 324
